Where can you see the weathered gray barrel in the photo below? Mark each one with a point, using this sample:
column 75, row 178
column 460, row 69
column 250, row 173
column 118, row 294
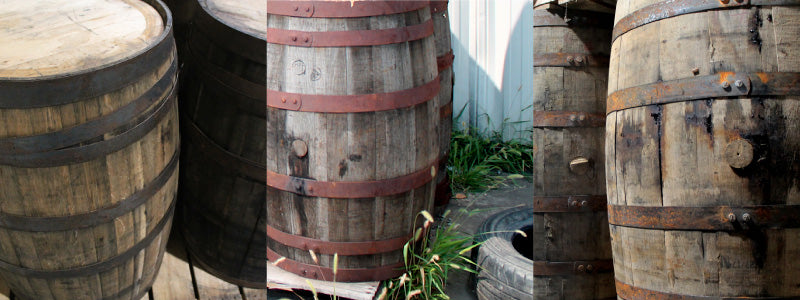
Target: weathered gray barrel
column 572, row 250
column 223, row 120
column 352, row 142
column 702, row 141
column 88, row 147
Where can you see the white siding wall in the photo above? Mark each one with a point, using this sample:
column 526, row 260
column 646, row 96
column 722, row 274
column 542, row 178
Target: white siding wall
column 494, row 64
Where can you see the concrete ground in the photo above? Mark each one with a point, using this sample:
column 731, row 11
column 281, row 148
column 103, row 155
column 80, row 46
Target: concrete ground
column 513, row 193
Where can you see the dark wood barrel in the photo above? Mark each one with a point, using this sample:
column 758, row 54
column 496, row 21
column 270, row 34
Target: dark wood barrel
column 444, row 62
column 603, row 6
column 352, row 140
column 88, row 147
column 572, row 251
column 224, row 121
column 701, row 149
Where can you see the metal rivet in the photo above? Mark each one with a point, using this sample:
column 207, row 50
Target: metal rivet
column 305, row 40
column 283, row 100
column 731, row 217
column 740, row 1
column 725, row 84
column 584, row 203
column 725, row 1
column 573, row 203
column 579, row 59
column 573, row 118
column 308, row 9
column 581, row 268
column 296, row 8
column 311, row 189
column 582, row 117
column 294, row 101
column 570, row 59
column 589, row 268
column 746, row 217
column 294, row 39
column 739, row 83
column 696, row 71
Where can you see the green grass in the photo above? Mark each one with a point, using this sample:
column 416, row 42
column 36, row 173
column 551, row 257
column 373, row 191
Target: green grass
column 477, row 160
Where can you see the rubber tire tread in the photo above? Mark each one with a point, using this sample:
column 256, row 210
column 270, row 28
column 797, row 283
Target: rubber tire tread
column 503, row 273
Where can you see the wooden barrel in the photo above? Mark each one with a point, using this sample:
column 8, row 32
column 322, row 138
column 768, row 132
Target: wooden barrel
column 88, row 147
column 352, row 140
column 444, row 62
column 702, row 140
column 604, row 6
column 572, row 251
column 223, row 119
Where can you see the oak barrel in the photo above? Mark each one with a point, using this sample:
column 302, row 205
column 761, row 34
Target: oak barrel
column 572, row 250
column 223, row 189
column 444, row 62
column 352, row 140
column 88, row 146
column 702, row 138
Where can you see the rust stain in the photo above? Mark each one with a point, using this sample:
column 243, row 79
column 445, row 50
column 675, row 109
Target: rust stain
column 726, row 76
column 764, row 77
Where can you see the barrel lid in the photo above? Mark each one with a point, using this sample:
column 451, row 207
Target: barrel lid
column 53, row 37
column 248, row 16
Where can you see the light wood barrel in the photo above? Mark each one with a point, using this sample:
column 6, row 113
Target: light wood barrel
column 88, row 146
column 223, row 119
column 604, row 6
column 702, row 138
column 352, row 136
column 572, row 250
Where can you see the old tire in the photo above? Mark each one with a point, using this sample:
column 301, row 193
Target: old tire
column 504, row 273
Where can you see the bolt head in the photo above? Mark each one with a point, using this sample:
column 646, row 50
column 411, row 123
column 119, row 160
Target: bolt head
column 294, row 39
column 573, row 203
column 283, row 100
column 296, row 8
column 739, row 83
column 731, row 217
column 305, row 40
column 584, row 203
column 589, row 268
column 579, row 59
column 582, row 117
column 726, row 84
column 746, row 217
column 570, row 59
column 725, row 1
column 581, row 268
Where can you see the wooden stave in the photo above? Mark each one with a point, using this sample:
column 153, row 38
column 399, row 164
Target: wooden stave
column 444, row 53
column 275, row 196
column 728, row 120
column 152, row 249
column 206, row 225
column 572, row 233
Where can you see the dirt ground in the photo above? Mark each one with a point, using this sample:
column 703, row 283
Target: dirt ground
column 512, row 194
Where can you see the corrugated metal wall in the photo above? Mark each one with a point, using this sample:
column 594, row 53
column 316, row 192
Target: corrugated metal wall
column 494, row 64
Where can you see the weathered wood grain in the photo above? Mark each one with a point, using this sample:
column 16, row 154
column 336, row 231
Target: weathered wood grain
column 350, row 146
column 90, row 41
column 224, row 207
column 675, row 154
column 570, row 236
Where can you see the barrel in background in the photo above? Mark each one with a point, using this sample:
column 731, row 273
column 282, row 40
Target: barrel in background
column 88, row 147
column 352, row 138
column 602, row 6
column 572, row 251
column 701, row 140
column 444, row 62
column 222, row 190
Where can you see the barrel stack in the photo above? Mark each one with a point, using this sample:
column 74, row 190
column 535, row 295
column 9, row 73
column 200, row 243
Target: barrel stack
column 224, row 121
column 701, row 143
column 571, row 245
column 88, row 147
column 352, row 134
